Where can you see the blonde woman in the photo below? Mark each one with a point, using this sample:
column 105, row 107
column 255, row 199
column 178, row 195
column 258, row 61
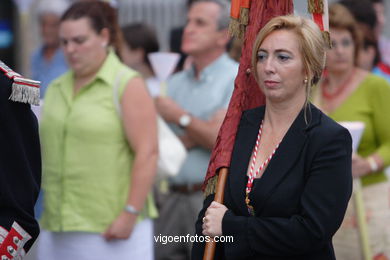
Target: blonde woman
column 290, row 176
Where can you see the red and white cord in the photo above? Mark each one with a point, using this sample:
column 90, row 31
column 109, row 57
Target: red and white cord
column 252, row 173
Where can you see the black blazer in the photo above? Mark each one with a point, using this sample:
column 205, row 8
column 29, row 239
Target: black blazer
column 299, row 202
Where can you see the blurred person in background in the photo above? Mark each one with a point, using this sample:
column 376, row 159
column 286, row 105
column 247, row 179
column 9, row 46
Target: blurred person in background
column 369, row 55
column 235, row 49
column 175, row 38
column 99, row 161
column 379, row 6
column 349, row 93
column 384, row 42
column 48, row 61
column 195, row 107
column 369, row 23
column 140, row 40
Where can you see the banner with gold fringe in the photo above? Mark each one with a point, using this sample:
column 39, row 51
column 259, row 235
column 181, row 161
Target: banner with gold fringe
column 320, row 15
column 239, row 13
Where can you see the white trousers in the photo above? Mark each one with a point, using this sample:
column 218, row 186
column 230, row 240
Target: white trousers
column 92, row 246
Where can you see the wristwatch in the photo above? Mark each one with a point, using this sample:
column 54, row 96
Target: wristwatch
column 184, row 120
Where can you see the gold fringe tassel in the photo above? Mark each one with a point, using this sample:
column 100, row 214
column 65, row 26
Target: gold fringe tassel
column 244, row 16
column 315, row 6
column 211, row 186
column 234, row 27
column 326, row 36
column 237, row 27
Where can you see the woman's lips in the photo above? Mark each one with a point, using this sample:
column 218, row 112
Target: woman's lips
column 270, row 83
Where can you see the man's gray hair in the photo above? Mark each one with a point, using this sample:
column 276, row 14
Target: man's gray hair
column 56, row 7
column 224, row 14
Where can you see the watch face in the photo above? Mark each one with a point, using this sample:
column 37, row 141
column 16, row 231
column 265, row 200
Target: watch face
column 184, row 120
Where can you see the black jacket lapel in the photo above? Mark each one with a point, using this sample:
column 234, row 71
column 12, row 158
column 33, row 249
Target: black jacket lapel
column 243, row 147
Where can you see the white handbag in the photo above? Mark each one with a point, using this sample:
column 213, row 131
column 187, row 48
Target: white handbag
column 172, row 152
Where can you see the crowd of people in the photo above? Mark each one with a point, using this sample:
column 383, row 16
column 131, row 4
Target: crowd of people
column 289, row 194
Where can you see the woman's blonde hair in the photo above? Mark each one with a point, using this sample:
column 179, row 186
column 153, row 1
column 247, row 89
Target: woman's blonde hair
column 341, row 18
column 311, row 41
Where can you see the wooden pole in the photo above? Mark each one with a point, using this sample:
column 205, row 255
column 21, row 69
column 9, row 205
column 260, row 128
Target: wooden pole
column 360, row 213
column 209, row 250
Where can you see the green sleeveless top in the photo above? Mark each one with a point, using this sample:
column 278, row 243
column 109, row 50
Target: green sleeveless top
column 87, row 160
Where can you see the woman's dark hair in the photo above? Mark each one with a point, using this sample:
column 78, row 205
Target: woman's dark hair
column 362, row 10
column 141, row 36
column 377, row 1
column 370, row 40
column 101, row 15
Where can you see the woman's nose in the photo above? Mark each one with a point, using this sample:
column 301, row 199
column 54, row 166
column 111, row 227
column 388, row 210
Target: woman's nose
column 68, row 47
column 269, row 65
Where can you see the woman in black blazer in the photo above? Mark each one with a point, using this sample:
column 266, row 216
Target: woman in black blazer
column 290, row 175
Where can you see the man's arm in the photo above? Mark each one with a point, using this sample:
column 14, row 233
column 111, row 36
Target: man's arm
column 204, row 133
column 198, row 132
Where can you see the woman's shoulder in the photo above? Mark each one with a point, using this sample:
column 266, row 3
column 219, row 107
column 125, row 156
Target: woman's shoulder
column 253, row 115
column 123, row 71
column 62, row 78
column 128, row 70
column 65, row 79
column 374, row 81
column 326, row 129
column 376, row 89
column 113, row 69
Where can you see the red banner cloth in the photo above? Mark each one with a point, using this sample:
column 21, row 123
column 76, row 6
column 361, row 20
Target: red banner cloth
column 236, row 6
column 246, row 94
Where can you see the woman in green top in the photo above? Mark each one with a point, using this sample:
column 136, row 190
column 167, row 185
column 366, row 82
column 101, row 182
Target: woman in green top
column 99, row 166
column 348, row 93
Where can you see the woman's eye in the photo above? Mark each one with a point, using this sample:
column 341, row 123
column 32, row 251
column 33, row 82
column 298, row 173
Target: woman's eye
column 346, row 43
column 80, row 40
column 283, row 57
column 261, row 56
column 64, row 42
